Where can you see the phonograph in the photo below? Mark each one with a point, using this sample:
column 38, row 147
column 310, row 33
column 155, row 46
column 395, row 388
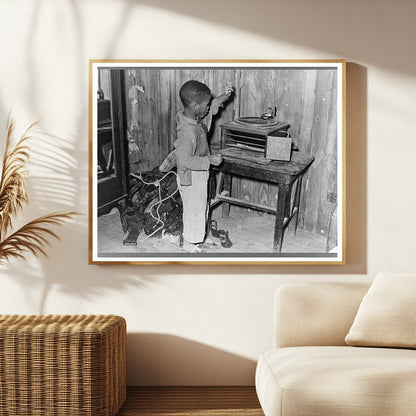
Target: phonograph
column 261, row 139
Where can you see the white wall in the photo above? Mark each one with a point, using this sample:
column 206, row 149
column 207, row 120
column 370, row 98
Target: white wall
column 201, row 324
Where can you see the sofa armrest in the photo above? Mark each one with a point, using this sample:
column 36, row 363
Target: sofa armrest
column 308, row 314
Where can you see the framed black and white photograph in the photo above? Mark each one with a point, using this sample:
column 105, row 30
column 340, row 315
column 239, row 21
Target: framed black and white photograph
column 217, row 162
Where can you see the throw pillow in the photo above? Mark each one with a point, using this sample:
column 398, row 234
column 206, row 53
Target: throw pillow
column 386, row 316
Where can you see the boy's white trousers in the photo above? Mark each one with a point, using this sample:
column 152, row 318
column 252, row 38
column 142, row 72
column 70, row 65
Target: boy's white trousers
column 195, row 204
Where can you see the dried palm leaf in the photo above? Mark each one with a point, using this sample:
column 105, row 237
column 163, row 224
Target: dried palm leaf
column 33, row 237
column 12, row 183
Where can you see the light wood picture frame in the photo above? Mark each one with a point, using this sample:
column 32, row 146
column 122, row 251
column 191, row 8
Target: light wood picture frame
column 278, row 196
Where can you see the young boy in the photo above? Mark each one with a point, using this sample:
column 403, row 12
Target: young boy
column 193, row 159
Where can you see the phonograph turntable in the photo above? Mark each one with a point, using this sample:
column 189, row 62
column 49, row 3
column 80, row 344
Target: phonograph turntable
column 260, row 139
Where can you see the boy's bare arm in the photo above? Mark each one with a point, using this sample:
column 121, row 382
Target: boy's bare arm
column 217, row 102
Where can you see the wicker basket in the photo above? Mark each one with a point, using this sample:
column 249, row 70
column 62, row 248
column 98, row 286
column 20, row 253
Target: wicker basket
column 71, row 365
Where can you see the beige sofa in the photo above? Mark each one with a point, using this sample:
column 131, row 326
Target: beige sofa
column 311, row 370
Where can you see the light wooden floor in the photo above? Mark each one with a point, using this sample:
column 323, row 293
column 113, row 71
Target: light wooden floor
column 250, row 232
column 191, row 401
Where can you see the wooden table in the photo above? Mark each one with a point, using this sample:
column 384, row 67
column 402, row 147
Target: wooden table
column 282, row 174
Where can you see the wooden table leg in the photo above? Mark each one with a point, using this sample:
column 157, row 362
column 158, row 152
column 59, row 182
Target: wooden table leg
column 288, row 212
column 282, row 197
column 296, row 202
column 226, row 190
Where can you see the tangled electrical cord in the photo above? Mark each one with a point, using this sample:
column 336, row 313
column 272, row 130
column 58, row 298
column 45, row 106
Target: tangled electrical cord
column 159, row 203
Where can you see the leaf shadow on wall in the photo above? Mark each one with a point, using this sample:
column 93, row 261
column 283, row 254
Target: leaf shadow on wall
column 163, row 359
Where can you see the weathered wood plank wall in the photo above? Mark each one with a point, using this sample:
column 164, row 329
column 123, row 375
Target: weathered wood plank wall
column 306, row 98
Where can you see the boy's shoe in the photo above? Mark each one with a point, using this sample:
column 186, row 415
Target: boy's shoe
column 208, row 245
column 189, row 247
column 192, row 248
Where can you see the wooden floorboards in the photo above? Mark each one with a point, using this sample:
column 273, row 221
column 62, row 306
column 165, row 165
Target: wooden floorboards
column 250, row 232
column 195, row 401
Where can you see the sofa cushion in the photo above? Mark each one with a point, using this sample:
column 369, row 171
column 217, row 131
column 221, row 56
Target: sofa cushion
column 304, row 381
column 387, row 314
column 315, row 313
